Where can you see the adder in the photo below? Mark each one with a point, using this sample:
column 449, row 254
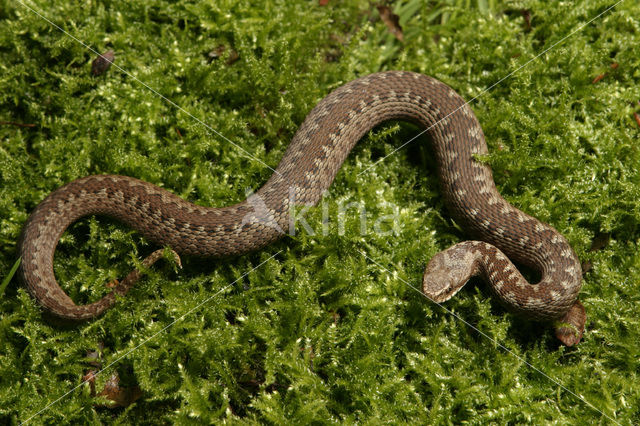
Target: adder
column 503, row 234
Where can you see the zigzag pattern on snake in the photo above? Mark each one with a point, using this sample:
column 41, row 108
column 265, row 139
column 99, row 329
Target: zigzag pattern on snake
column 306, row 170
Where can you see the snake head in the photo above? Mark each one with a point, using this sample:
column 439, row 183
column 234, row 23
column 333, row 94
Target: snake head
column 570, row 328
column 448, row 271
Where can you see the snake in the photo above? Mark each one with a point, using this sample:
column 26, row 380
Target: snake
column 502, row 235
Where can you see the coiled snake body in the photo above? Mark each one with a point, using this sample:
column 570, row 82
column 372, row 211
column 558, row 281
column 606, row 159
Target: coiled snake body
column 307, row 169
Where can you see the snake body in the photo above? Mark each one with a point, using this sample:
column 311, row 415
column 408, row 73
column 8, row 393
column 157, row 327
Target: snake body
column 306, row 170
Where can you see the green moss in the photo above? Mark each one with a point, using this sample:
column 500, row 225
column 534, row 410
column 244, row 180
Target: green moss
column 318, row 333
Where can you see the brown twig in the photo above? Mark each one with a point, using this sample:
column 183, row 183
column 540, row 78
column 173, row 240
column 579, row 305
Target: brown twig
column 13, row 123
column 601, row 76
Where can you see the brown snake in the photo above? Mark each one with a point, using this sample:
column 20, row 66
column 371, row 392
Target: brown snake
column 307, row 169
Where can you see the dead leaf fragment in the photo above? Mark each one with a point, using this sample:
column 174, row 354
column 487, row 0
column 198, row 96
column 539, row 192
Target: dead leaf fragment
column 90, row 378
column 600, row 241
column 102, row 63
column 233, row 57
column 323, row 2
column 218, row 51
column 526, row 15
column 94, row 357
column 391, row 20
column 120, row 396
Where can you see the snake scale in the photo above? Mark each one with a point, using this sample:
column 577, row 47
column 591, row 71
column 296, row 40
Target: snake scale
column 504, row 234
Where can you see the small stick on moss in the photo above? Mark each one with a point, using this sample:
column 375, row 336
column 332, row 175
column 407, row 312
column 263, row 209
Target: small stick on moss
column 601, row 76
column 13, row 123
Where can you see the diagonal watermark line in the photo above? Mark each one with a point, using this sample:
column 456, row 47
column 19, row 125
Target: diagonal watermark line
column 175, row 105
column 492, row 86
column 580, row 397
column 190, row 311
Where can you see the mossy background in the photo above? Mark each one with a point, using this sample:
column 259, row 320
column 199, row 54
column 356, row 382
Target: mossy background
column 319, row 333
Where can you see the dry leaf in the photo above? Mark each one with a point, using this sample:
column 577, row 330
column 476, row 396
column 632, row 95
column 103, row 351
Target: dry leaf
column 90, row 378
column 323, row 2
column 391, row 20
column 117, row 395
column 600, row 241
column 102, row 62
column 233, row 57
column 526, row 15
column 218, row 51
column 121, row 396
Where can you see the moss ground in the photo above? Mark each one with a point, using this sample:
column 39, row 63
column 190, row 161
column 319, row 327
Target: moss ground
column 319, row 332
